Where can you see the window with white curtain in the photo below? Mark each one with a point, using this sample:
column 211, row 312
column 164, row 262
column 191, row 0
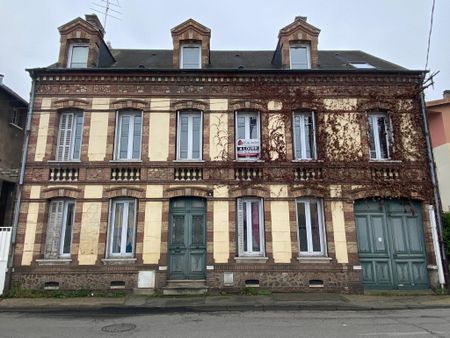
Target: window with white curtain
column 380, row 136
column 122, row 228
column 61, row 215
column 250, row 226
column 304, row 136
column 189, row 136
column 128, row 135
column 311, row 232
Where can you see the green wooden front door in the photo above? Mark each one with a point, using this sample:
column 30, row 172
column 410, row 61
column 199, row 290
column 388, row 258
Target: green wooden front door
column 187, row 239
column 391, row 244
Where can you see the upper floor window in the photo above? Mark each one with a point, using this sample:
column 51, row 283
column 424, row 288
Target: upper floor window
column 380, row 136
column 122, row 228
column 128, row 135
column 78, row 55
column 299, row 55
column 189, row 136
column 250, row 227
column 15, row 118
column 190, row 56
column 311, row 232
column 304, row 136
column 61, row 216
column 69, row 136
column 248, row 140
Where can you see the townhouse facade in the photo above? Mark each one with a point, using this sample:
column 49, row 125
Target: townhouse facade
column 293, row 169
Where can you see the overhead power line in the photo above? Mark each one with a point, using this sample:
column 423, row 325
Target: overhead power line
column 429, row 34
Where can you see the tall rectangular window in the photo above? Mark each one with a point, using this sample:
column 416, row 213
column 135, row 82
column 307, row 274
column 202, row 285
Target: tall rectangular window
column 250, row 227
column 78, row 56
column 128, row 135
column 248, row 141
column 304, row 136
column 69, row 136
column 189, row 136
column 380, row 136
column 59, row 229
column 122, row 228
column 299, row 55
column 190, row 57
column 311, row 232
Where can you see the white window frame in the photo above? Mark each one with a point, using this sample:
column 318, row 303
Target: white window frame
column 376, row 136
column 118, row 131
column 322, row 232
column 191, row 45
column 304, row 136
column 72, row 140
column 246, row 203
column 62, row 225
column 247, row 115
column 69, row 57
column 308, row 54
column 190, row 114
column 123, row 235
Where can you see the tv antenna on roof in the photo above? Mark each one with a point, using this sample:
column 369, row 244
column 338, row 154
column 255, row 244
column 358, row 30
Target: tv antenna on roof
column 105, row 8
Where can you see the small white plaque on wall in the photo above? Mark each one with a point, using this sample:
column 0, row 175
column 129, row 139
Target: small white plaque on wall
column 146, row 279
column 210, row 267
column 162, row 268
column 357, row 267
column 228, row 279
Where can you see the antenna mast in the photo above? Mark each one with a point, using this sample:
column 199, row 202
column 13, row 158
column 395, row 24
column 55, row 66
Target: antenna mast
column 105, row 7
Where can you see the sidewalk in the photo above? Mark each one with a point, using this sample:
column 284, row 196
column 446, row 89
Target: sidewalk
column 274, row 302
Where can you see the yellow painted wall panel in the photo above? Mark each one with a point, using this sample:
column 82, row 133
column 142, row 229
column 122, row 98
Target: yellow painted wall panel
column 100, row 103
column 30, row 233
column 154, row 191
column 274, row 105
column 340, row 240
column 46, row 103
column 35, row 191
column 158, row 149
column 160, row 104
column 218, row 135
column 151, row 251
column 340, row 104
column 90, row 229
column 218, row 104
column 93, row 191
column 220, row 191
column 41, row 142
column 281, row 233
column 277, row 130
column 97, row 136
column 221, row 236
column 278, row 190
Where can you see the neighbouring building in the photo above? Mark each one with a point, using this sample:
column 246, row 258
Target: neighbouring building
column 13, row 111
column 190, row 168
column 439, row 120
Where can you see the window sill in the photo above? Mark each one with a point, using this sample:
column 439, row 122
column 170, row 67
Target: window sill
column 381, row 160
column 248, row 161
column 125, row 161
column 314, row 259
column 189, row 161
column 68, row 161
column 118, row 261
column 55, row 261
column 251, row 259
column 15, row 126
column 307, row 161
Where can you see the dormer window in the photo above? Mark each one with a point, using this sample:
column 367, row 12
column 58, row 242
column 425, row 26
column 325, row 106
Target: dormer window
column 190, row 56
column 78, row 55
column 299, row 55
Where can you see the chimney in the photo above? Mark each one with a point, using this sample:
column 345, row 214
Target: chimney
column 302, row 18
column 1, row 78
column 94, row 21
column 446, row 94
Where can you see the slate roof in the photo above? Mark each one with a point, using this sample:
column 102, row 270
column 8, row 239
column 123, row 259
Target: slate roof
column 250, row 60
column 13, row 95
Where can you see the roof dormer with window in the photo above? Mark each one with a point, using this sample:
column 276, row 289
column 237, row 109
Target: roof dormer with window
column 191, row 45
column 297, row 45
column 82, row 45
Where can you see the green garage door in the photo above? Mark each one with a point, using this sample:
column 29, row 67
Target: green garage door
column 391, row 244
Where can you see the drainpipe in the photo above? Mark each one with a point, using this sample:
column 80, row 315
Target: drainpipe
column 437, row 200
column 21, row 179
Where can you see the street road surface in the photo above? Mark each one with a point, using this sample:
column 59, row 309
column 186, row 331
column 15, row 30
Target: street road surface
column 405, row 323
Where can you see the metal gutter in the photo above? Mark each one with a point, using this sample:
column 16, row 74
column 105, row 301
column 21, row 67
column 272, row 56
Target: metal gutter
column 21, row 179
column 437, row 201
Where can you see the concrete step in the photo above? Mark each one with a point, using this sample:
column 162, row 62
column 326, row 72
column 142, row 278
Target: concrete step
column 185, row 287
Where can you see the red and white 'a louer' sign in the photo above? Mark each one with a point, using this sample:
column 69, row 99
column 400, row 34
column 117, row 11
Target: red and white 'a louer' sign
column 247, row 148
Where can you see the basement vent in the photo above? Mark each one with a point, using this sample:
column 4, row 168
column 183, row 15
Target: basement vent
column 117, row 284
column 316, row 283
column 252, row 283
column 51, row 286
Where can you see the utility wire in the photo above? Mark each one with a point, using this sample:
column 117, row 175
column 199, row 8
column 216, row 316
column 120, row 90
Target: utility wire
column 429, row 34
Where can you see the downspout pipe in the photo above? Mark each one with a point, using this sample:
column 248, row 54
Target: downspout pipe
column 21, row 180
column 437, row 200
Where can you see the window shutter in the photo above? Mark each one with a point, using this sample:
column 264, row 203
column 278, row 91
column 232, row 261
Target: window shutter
column 78, row 124
column 240, row 225
column 137, row 136
column 196, row 137
column 297, row 136
column 124, row 121
column 184, row 132
column 373, row 153
column 54, row 224
column 64, row 137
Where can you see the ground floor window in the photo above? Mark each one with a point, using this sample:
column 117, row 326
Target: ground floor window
column 59, row 229
column 122, row 228
column 250, row 227
column 311, row 232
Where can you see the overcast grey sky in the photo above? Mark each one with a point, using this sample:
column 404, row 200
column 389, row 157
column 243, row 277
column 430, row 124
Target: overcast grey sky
column 396, row 30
